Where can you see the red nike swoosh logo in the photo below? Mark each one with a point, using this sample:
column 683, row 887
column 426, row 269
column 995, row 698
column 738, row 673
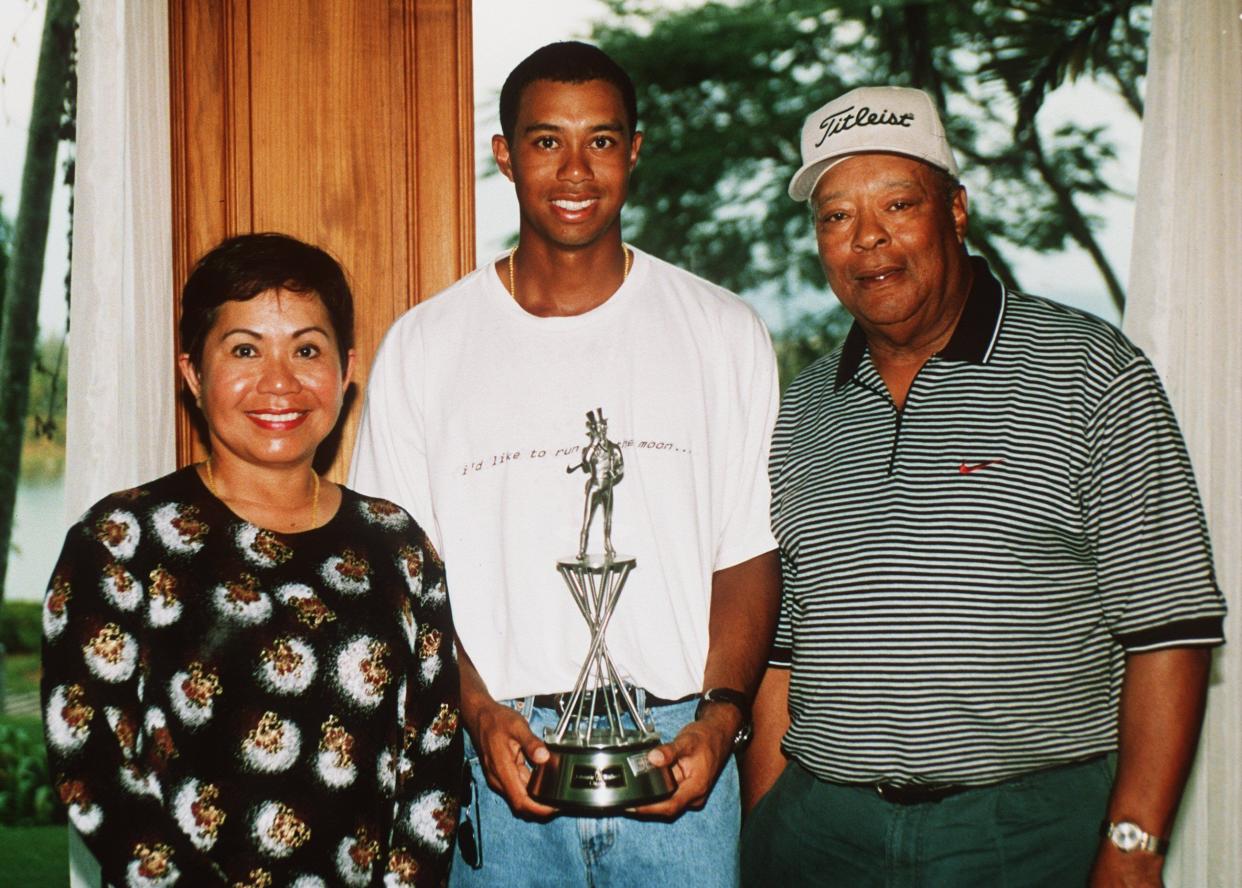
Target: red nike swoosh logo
column 966, row 468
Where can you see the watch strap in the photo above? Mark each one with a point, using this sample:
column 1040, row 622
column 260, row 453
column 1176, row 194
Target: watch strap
column 735, row 698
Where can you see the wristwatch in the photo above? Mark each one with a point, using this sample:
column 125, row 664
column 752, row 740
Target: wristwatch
column 1129, row 836
column 733, row 698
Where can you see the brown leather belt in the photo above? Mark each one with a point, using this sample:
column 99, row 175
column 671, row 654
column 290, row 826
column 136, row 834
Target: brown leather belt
column 558, row 701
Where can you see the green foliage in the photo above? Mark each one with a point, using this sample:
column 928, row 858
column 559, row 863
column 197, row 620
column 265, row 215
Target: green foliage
column 720, row 106
column 724, row 88
column 810, row 337
column 21, row 626
column 21, row 674
column 1046, row 42
column 34, row 856
column 46, row 410
column 27, row 797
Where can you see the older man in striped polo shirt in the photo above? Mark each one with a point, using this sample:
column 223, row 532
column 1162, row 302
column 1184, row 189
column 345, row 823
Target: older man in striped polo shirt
column 999, row 598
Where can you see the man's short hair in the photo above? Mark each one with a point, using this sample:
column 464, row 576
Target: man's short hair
column 243, row 267
column 567, row 62
column 948, row 183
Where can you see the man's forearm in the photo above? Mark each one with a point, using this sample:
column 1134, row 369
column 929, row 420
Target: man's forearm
column 763, row 761
column 474, row 693
column 1162, row 700
column 744, row 603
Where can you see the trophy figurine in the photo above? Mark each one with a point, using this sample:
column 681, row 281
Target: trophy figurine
column 598, row 760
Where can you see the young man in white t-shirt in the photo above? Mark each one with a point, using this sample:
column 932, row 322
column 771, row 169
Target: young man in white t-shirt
column 475, row 413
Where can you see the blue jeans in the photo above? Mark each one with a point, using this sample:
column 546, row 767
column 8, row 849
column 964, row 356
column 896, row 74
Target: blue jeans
column 697, row 850
column 1040, row 830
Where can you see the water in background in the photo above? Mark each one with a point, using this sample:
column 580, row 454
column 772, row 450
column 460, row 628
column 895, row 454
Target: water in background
column 38, row 532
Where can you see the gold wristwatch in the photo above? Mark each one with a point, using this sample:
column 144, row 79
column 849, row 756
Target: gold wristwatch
column 1129, row 836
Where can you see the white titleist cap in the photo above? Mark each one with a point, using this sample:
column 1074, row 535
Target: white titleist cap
column 867, row 119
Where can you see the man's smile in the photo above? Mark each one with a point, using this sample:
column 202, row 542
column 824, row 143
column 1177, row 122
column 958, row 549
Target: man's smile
column 575, row 205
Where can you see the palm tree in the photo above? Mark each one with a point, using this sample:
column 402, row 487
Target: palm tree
column 1044, row 43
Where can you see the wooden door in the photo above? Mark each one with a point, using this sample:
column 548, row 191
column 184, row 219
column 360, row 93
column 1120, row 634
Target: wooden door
column 346, row 123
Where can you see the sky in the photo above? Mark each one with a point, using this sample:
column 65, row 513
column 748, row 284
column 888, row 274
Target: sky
column 506, row 31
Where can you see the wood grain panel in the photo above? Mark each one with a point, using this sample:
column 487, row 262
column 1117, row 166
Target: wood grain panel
column 444, row 112
column 198, row 62
column 346, row 124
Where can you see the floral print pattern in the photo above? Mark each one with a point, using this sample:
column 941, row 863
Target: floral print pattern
column 229, row 705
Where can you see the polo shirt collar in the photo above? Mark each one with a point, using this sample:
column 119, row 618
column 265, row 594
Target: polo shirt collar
column 973, row 339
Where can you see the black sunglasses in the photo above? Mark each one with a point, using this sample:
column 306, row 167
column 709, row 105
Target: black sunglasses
column 470, row 832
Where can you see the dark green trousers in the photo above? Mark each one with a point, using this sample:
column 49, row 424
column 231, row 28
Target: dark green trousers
column 1040, row 830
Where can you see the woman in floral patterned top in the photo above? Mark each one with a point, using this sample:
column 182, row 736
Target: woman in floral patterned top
column 249, row 676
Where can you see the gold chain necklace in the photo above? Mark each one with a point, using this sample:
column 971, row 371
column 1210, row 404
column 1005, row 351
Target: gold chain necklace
column 211, row 485
column 513, row 278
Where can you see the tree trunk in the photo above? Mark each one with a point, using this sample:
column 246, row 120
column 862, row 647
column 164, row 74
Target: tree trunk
column 916, row 23
column 25, row 272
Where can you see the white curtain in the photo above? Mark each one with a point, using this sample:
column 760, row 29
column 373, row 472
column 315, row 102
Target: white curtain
column 1185, row 310
column 120, row 418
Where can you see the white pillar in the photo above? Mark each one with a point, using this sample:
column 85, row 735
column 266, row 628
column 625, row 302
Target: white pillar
column 1185, row 309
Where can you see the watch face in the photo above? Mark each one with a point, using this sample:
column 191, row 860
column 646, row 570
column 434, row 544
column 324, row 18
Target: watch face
column 1127, row 836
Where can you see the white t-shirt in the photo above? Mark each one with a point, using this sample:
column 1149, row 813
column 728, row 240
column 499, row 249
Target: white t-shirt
column 475, row 409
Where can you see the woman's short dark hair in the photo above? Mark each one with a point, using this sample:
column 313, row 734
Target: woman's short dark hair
column 247, row 265
column 570, row 61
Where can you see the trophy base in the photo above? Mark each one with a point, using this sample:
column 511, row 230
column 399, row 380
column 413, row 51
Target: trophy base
column 602, row 779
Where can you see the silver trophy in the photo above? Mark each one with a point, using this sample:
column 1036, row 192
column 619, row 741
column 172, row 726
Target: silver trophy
column 599, row 747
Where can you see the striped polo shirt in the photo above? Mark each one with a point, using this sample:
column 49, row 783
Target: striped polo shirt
column 963, row 577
